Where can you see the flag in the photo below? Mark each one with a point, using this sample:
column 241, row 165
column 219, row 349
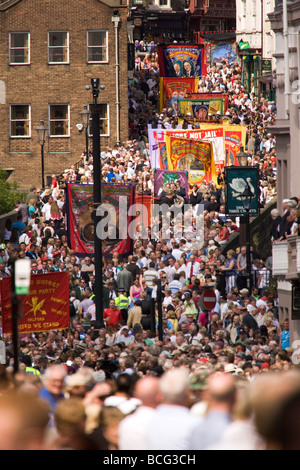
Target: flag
column 45, row 308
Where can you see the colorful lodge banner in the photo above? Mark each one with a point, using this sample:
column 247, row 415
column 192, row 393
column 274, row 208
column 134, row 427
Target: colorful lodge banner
column 162, row 177
column 195, row 157
column 226, row 139
column 181, row 60
column 45, row 308
column 200, row 109
column 211, row 133
column 79, row 203
column 208, row 96
column 170, row 89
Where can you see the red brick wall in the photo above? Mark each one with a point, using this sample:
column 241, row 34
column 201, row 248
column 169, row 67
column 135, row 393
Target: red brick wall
column 38, row 84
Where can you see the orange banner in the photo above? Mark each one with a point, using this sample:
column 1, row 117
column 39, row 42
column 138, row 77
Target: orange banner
column 45, row 308
column 170, row 89
column 195, row 156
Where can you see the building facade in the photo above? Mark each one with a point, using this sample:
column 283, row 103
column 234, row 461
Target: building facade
column 256, row 42
column 50, row 51
column 212, row 20
column 285, row 22
column 161, row 21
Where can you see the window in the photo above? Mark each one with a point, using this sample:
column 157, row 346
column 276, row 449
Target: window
column 103, row 110
column 97, row 46
column 58, row 47
column 59, row 120
column 19, row 48
column 19, row 120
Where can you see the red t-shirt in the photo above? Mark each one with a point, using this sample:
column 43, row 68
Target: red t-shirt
column 114, row 316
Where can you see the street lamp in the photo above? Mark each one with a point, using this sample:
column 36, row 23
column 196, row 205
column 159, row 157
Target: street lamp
column 42, row 130
column 97, row 178
column 247, row 197
column 242, row 157
column 85, row 116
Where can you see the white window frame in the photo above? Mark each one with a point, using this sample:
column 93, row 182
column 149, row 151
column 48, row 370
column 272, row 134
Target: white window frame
column 157, row 3
column 50, row 62
column 16, row 120
column 88, row 47
column 53, row 120
column 10, row 48
column 103, row 119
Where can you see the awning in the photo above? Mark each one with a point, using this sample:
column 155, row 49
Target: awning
column 266, row 79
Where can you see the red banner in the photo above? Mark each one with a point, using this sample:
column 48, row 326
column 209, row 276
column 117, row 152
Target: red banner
column 45, row 308
column 79, row 205
column 170, row 89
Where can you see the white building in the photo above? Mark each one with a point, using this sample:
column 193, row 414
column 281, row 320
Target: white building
column 285, row 21
column 253, row 26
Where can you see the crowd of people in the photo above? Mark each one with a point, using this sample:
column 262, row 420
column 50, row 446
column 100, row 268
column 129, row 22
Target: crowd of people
column 191, row 379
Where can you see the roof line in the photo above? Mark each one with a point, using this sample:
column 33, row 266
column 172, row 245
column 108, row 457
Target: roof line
column 110, row 3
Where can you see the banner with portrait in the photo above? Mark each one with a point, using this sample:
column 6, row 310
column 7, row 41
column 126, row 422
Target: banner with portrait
column 45, row 308
column 193, row 156
column 200, row 109
column 181, row 60
column 208, row 96
column 162, row 177
column 170, row 89
column 79, row 203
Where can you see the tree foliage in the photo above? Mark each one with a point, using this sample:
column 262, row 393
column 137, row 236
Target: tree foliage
column 9, row 193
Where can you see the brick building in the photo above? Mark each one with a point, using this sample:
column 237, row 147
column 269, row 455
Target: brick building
column 50, row 50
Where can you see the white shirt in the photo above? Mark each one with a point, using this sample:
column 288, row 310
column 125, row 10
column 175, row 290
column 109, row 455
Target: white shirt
column 172, row 427
column 196, row 268
column 46, row 210
column 132, row 429
column 177, row 253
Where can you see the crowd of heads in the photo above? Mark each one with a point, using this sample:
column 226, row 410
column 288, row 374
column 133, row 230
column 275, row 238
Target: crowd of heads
column 158, row 345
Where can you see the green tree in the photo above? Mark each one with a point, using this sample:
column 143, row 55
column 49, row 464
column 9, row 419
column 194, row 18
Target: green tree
column 9, row 193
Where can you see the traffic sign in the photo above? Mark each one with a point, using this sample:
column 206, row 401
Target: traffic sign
column 208, row 299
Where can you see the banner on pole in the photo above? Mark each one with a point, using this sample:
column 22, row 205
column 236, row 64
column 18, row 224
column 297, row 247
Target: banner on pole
column 182, row 60
column 196, row 157
column 79, row 203
column 45, row 308
column 163, row 177
column 170, row 89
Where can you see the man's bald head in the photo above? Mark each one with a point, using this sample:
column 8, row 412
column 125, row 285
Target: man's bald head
column 222, row 388
column 146, row 390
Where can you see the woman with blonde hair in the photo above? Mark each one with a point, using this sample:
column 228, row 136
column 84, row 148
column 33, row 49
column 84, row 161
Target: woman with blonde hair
column 32, row 209
column 55, row 216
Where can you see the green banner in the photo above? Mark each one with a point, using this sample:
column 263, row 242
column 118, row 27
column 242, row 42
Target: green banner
column 244, row 45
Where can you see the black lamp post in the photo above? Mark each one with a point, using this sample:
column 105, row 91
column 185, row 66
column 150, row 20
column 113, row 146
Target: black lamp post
column 246, row 198
column 85, row 116
column 242, row 158
column 42, row 130
column 97, row 177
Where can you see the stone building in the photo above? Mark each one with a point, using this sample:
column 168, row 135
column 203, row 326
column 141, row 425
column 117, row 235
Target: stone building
column 50, row 50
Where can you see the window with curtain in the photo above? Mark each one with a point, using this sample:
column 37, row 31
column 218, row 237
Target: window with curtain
column 19, row 48
column 97, row 46
column 58, row 47
column 59, row 120
column 20, row 120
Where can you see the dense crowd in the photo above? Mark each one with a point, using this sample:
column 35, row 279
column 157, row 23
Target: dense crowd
column 202, row 384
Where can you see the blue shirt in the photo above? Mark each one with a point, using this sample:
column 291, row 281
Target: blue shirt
column 19, row 225
column 285, row 339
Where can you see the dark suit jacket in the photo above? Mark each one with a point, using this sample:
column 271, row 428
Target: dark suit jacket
column 250, row 322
